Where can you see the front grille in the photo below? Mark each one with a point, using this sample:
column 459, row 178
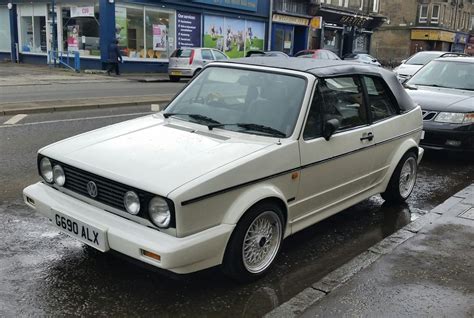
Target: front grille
column 108, row 192
column 429, row 115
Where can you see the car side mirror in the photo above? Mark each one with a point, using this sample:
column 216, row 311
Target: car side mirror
column 374, row 60
column 330, row 127
column 403, row 61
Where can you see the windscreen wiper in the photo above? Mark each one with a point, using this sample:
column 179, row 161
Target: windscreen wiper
column 254, row 127
column 198, row 117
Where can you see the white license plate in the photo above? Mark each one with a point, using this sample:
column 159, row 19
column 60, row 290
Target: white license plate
column 176, row 73
column 85, row 233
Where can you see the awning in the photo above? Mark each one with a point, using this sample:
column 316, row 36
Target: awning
column 332, row 15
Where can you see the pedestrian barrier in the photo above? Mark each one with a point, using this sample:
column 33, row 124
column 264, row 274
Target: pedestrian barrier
column 67, row 59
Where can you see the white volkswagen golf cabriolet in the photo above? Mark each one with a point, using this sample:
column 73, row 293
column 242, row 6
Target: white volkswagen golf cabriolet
column 248, row 153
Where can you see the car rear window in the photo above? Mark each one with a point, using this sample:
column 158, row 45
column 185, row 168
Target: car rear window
column 182, row 53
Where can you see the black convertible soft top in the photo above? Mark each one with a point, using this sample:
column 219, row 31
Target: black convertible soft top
column 332, row 68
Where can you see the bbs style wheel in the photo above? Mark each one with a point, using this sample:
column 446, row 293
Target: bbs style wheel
column 255, row 243
column 403, row 179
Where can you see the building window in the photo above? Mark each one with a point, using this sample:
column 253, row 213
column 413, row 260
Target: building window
column 423, row 14
column 5, row 41
column 145, row 32
column 32, row 23
column 435, row 14
column 81, row 29
column 375, row 7
column 292, row 6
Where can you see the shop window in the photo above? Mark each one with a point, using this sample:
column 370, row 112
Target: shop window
column 332, row 40
column 159, row 33
column 81, row 29
column 5, row 40
column 33, row 29
column 145, row 33
column 435, row 15
column 423, row 18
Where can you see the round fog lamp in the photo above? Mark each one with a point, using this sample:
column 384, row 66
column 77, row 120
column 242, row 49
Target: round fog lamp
column 159, row 212
column 58, row 175
column 46, row 170
column 131, row 202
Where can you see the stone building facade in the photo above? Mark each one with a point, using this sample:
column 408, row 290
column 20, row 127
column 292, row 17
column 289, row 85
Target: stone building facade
column 421, row 25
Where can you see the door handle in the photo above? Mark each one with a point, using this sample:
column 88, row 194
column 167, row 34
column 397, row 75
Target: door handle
column 369, row 137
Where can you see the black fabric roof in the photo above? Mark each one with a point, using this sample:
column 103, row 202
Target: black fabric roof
column 332, row 68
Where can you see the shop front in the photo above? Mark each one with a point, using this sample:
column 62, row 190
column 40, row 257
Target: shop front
column 431, row 40
column 460, row 42
column 148, row 31
column 343, row 32
column 289, row 33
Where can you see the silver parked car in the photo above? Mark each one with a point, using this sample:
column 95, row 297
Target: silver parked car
column 187, row 62
column 410, row 66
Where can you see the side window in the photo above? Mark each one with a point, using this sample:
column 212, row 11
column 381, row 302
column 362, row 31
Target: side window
column 381, row 103
column 313, row 128
column 206, row 55
column 219, row 56
column 342, row 99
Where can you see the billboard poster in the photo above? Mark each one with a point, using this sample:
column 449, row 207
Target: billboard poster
column 159, row 37
column 72, row 37
column 214, row 32
column 188, row 29
column 255, row 36
column 121, row 26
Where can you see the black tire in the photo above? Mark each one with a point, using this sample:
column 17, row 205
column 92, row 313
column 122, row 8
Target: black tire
column 234, row 264
column 174, row 78
column 394, row 193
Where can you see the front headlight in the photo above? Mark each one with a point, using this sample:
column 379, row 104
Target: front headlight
column 131, row 201
column 58, row 175
column 452, row 118
column 46, row 170
column 159, row 212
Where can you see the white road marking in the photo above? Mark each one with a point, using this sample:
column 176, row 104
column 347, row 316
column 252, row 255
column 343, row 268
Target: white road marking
column 15, row 119
column 74, row 119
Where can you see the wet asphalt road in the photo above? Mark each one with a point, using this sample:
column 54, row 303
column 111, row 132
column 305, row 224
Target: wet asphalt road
column 43, row 272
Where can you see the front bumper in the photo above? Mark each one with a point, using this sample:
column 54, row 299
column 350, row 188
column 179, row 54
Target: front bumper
column 179, row 255
column 441, row 136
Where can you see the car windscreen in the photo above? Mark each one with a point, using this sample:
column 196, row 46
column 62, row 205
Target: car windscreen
column 449, row 74
column 422, row 58
column 254, row 102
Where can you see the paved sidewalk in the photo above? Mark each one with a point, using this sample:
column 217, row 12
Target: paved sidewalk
column 15, row 75
column 425, row 269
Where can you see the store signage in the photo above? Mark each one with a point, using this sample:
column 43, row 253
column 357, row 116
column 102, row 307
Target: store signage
column 354, row 20
column 316, row 23
column 432, row 35
column 188, row 29
column 82, row 11
column 280, row 18
column 249, row 5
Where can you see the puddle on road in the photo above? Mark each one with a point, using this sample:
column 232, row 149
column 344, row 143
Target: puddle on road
column 46, row 274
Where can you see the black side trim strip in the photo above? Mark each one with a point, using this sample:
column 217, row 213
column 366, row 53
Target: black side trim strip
column 291, row 200
column 202, row 197
column 205, row 196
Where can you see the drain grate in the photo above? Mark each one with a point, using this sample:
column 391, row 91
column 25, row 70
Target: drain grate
column 469, row 214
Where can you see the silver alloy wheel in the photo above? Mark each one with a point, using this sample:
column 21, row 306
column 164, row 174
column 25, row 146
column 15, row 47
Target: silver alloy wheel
column 261, row 242
column 407, row 177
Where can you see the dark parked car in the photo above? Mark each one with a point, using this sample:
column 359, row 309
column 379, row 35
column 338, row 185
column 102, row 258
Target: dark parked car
column 318, row 54
column 363, row 58
column 253, row 53
column 444, row 89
